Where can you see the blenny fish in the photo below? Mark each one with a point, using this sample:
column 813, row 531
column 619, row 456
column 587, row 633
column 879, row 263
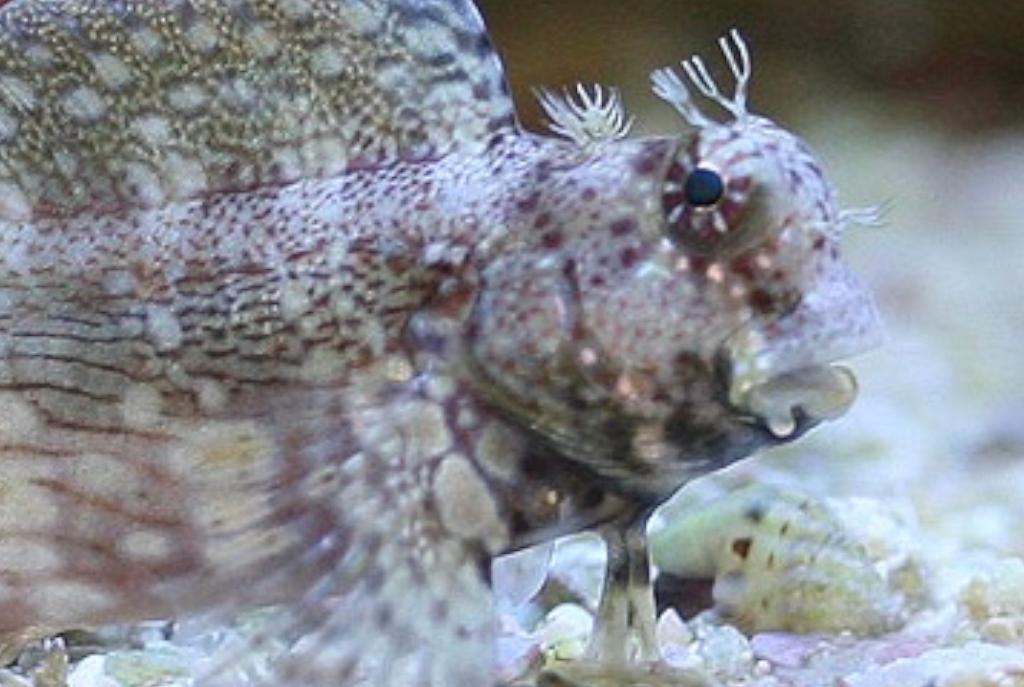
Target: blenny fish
column 294, row 312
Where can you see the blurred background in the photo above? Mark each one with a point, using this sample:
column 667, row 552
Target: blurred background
column 951, row 65
column 918, row 102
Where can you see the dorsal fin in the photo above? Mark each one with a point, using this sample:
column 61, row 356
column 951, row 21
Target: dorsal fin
column 107, row 104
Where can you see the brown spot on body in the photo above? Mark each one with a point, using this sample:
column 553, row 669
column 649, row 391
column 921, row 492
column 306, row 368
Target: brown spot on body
column 482, row 90
column 552, row 240
column 743, row 266
column 731, row 212
column 761, row 301
column 647, row 163
column 676, row 172
column 699, row 264
column 740, row 183
column 530, row 203
column 623, row 226
column 741, row 547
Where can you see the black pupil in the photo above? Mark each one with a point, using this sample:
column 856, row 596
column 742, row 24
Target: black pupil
column 703, row 187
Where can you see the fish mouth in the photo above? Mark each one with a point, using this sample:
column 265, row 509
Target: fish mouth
column 785, row 372
column 806, row 396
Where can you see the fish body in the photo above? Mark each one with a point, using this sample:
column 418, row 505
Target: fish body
column 293, row 311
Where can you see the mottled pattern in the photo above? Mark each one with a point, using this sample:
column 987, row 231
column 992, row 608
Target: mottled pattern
column 291, row 311
column 105, row 104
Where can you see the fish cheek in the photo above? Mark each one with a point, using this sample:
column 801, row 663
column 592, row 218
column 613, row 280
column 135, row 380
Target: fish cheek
column 523, row 320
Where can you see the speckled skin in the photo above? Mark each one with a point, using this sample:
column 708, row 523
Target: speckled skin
column 292, row 311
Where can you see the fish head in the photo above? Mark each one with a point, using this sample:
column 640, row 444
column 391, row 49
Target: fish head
column 674, row 304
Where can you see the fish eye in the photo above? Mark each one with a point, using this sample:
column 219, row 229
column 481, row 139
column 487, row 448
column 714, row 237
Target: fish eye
column 704, row 187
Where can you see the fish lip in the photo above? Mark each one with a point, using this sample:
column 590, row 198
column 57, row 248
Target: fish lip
column 795, row 395
column 793, row 361
column 789, row 403
column 829, row 387
column 747, row 370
